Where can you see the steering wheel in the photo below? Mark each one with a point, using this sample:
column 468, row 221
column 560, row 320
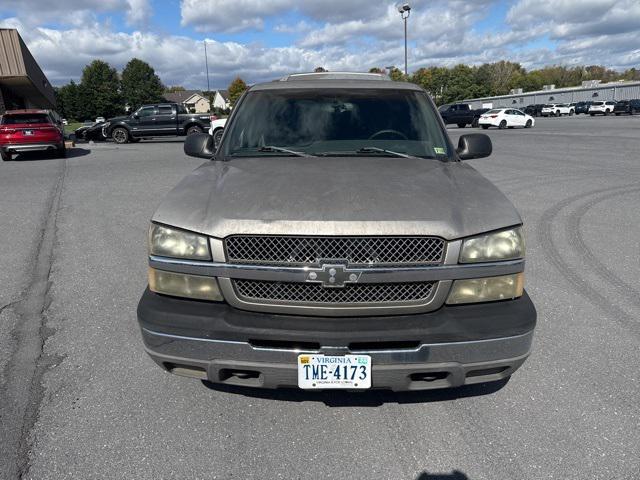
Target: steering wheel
column 393, row 132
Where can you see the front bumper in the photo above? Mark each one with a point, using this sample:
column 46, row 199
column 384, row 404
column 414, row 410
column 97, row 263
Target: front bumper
column 449, row 347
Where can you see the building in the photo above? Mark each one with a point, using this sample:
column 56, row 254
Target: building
column 591, row 90
column 221, row 100
column 193, row 100
column 22, row 82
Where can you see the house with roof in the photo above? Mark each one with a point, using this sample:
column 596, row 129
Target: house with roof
column 193, row 100
column 221, row 100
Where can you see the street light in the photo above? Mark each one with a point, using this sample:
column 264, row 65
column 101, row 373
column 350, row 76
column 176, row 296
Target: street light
column 405, row 11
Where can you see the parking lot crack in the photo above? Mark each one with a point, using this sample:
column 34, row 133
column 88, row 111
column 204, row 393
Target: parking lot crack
column 23, row 392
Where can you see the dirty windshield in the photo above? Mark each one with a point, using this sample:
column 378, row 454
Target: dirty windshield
column 336, row 122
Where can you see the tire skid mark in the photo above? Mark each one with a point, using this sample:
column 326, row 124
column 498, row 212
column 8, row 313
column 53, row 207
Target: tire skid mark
column 573, row 228
column 545, row 237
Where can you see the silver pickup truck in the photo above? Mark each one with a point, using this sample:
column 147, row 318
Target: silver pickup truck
column 337, row 240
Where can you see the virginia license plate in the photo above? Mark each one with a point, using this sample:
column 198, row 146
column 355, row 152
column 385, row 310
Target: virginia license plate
column 328, row 371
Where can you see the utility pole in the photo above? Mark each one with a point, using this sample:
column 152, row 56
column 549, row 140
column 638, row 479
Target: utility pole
column 206, row 62
column 405, row 11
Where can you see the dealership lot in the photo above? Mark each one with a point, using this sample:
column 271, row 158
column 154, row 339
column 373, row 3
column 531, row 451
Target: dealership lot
column 94, row 406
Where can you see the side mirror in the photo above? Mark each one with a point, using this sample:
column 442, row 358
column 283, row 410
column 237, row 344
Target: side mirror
column 474, row 145
column 199, row 145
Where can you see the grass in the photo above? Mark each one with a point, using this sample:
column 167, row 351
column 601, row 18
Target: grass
column 71, row 127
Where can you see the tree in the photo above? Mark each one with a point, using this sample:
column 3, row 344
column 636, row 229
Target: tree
column 100, row 91
column 68, row 101
column 174, row 89
column 376, row 70
column 140, row 84
column 236, row 89
column 320, row 70
column 397, row 75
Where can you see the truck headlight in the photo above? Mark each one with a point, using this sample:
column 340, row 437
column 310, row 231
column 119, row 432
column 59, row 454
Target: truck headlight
column 184, row 285
column 487, row 289
column 504, row 245
column 170, row 242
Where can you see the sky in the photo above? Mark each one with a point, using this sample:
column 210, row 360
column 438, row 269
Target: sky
column 260, row 40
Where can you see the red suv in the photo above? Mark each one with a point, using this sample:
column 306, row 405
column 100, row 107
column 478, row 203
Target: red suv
column 30, row 131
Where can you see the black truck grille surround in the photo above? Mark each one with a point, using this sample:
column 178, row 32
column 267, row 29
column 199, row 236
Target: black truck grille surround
column 310, row 251
column 313, row 293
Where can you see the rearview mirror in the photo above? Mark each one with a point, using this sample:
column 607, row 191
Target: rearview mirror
column 474, row 145
column 199, row 145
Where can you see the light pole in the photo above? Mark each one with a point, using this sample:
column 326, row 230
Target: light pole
column 206, row 62
column 405, row 11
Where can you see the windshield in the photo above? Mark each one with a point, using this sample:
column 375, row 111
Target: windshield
column 16, row 119
column 336, row 121
column 596, row 104
column 493, row 111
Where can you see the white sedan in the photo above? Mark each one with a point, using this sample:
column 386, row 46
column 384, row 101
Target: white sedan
column 505, row 118
column 216, row 129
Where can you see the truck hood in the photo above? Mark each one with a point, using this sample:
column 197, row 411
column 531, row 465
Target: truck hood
column 336, row 196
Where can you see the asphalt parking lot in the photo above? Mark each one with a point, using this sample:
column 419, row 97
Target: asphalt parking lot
column 80, row 398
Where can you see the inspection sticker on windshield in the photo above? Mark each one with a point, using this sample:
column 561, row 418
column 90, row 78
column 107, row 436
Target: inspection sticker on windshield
column 439, row 150
column 324, row 371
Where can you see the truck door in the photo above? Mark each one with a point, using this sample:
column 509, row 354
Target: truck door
column 166, row 120
column 144, row 122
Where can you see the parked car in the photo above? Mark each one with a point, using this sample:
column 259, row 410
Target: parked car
column 601, row 108
column 506, row 118
column 557, row 109
column 583, row 107
column 460, row 114
column 339, row 227
column 100, row 120
column 31, row 131
column 94, row 132
column 158, row 120
column 629, row 107
column 217, row 129
column 65, row 122
column 534, row 110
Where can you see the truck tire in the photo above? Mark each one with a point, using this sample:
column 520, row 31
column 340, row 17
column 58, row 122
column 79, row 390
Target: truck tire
column 217, row 136
column 462, row 125
column 120, row 135
column 193, row 129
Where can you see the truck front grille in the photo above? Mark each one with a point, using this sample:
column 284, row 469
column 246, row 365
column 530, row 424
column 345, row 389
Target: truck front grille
column 312, row 293
column 310, row 251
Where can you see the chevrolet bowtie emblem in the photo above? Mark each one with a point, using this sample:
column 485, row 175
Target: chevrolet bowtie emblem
column 333, row 275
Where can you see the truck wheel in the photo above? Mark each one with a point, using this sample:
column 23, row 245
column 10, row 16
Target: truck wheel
column 502, row 125
column 217, row 136
column 462, row 125
column 193, row 129
column 120, row 135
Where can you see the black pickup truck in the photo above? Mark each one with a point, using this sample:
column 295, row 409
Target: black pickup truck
column 460, row 114
column 158, row 120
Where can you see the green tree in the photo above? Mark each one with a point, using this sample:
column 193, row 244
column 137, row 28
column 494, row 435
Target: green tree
column 236, row 89
column 376, row 70
column 397, row 75
column 174, row 89
column 320, row 70
column 100, row 91
column 140, row 84
column 68, row 101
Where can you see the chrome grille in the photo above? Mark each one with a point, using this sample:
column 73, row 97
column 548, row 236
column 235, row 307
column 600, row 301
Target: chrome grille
column 278, row 250
column 312, row 293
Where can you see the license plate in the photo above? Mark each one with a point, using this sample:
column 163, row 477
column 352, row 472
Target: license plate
column 27, row 132
column 324, row 371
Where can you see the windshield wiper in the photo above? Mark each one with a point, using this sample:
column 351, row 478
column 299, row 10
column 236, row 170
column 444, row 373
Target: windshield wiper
column 271, row 148
column 383, row 150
